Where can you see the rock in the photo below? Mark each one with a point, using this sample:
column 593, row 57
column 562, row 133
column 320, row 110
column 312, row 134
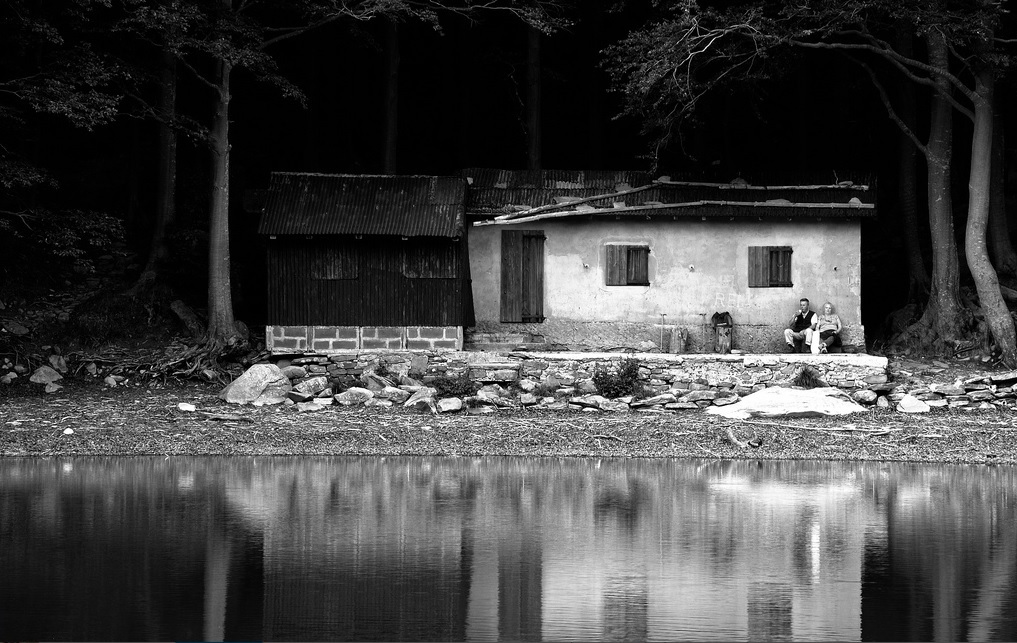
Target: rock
column 294, row 372
column 258, row 381
column 947, row 389
column 312, row 386
column 449, row 405
column 393, row 393
column 8, row 378
column 379, row 403
column 587, row 387
column 354, row 395
column 52, row 387
column 527, row 399
column 588, row 401
column 790, row 402
column 724, row 401
column 911, row 404
column 45, row 375
column 882, row 402
column 68, row 431
column 299, row 396
column 527, row 385
column 375, row 382
column 58, row 363
column 308, row 407
column 657, row 400
column 423, row 400
column 681, row 406
column 14, row 328
column 1009, row 376
column 91, row 368
column 614, row 406
column 864, row 396
column 186, row 408
column 699, row 396
column 981, row 395
column 875, row 379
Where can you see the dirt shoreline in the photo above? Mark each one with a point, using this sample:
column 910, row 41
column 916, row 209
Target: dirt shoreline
column 94, row 421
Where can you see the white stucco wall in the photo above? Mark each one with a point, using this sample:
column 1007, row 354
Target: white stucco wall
column 696, row 268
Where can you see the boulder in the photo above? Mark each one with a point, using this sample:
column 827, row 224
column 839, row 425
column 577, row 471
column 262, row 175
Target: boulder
column 790, row 402
column 312, row 386
column 45, row 375
column 257, row 381
column 911, row 404
column 422, row 400
column 864, row 396
column 294, row 372
column 58, row 363
column 397, row 395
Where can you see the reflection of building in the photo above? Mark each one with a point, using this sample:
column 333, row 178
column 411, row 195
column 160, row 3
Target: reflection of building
column 505, row 549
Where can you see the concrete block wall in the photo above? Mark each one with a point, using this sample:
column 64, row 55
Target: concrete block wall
column 325, row 340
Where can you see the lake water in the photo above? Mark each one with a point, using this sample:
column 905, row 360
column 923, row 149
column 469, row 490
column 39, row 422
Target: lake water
column 488, row 549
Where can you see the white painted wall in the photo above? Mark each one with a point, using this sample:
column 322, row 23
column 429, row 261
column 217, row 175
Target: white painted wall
column 697, row 268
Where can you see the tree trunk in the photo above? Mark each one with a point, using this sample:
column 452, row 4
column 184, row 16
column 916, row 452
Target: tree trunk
column 907, row 185
column 533, row 107
column 166, row 178
column 943, row 313
column 997, row 316
column 392, row 97
column 221, row 329
column 1001, row 249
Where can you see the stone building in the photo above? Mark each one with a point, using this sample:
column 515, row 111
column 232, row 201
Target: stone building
column 623, row 261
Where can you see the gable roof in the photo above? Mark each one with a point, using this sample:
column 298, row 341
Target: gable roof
column 353, row 204
column 502, row 197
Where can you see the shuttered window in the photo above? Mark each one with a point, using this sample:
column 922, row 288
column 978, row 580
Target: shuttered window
column 627, row 266
column 770, row 266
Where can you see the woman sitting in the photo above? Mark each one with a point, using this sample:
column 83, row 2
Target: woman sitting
column 827, row 330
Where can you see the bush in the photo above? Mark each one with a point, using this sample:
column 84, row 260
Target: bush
column 624, row 382
column 460, row 386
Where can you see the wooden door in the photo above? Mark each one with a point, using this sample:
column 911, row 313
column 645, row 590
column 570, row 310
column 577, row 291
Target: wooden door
column 522, row 276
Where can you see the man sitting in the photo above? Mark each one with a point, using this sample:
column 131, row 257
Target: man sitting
column 798, row 335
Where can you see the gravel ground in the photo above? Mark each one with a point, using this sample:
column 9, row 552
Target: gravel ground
column 142, row 421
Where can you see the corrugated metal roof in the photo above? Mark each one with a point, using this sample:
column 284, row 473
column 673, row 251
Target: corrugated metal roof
column 500, row 192
column 326, row 204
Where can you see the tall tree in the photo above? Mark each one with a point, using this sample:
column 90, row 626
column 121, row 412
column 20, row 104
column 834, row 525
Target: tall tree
column 214, row 41
column 669, row 65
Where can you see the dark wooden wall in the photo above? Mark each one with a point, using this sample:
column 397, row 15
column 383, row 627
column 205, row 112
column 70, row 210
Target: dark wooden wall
column 373, row 281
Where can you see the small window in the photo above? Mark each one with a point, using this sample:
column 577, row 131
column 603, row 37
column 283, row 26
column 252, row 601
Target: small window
column 770, row 266
column 628, row 266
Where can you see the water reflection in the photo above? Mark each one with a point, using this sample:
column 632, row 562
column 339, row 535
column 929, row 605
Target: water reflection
column 491, row 549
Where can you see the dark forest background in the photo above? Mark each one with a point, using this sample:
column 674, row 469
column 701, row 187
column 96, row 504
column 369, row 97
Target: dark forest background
column 463, row 100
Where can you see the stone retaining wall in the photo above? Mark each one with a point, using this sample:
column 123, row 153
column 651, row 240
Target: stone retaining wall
column 563, row 374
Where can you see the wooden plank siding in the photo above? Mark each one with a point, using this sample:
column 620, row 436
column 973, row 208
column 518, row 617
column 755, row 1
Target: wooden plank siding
column 343, row 281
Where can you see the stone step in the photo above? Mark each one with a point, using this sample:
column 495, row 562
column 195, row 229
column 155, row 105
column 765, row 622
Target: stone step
column 502, row 347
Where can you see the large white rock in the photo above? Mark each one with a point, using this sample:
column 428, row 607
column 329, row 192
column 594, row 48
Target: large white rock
column 259, row 381
column 777, row 401
column 911, row 404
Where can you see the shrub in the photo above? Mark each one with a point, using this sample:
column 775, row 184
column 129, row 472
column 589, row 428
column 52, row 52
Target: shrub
column 109, row 315
column 808, row 377
column 459, row 386
column 624, row 382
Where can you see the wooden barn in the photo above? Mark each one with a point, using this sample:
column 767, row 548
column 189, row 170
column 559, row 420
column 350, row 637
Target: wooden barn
column 365, row 262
